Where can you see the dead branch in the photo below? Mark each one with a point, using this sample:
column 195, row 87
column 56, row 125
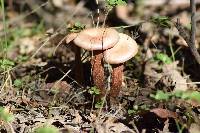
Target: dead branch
column 190, row 39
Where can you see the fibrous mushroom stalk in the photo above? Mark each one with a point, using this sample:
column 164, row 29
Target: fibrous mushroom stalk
column 79, row 76
column 98, row 70
column 78, row 68
column 116, row 83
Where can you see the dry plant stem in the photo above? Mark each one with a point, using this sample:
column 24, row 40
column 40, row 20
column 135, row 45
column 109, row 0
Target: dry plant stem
column 98, row 71
column 116, row 83
column 193, row 30
column 186, row 37
column 190, row 40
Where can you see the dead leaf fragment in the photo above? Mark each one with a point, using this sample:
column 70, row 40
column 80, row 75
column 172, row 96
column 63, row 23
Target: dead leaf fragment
column 194, row 128
column 111, row 126
column 26, row 45
column 164, row 113
column 174, row 74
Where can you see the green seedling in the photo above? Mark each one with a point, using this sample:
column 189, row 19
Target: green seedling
column 160, row 95
column 110, row 4
column 188, row 95
column 193, row 95
column 94, row 91
column 47, row 129
column 18, row 83
column 99, row 104
column 5, row 115
column 77, row 27
column 6, row 64
column 116, row 2
column 138, row 108
column 22, row 58
column 161, row 21
column 163, row 57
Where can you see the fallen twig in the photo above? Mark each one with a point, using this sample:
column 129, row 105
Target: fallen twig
column 190, row 39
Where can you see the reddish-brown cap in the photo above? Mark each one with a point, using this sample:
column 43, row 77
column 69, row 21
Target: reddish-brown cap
column 124, row 50
column 97, row 38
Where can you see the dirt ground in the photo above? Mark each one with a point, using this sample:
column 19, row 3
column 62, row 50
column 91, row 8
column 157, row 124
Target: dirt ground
column 40, row 91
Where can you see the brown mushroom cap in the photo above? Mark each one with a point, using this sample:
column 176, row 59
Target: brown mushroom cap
column 97, row 38
column 124, row 50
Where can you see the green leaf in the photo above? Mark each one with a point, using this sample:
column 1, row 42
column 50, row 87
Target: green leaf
column 22, row 58
column 195, row 95
column 99, row 104
column 131, row 111
column 94, row 91
column 18, row 83
column 185, row 95
column 5, row 115
column 163, row 57
column 6, row 64
column 47, row 129
column 178, row 94
column 161, row 21
column 113, row 3
column 160, row 95
column 77, row 27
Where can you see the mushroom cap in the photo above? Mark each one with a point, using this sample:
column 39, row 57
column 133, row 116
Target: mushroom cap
column 70, row 37
column 124, row 50
column 97, row 38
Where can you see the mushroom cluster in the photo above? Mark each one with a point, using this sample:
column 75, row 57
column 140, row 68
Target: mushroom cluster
column 105, row 43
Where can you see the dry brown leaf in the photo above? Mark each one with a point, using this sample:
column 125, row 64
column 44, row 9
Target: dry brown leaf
column 164, row 113
column 111, row 126
column 194, row 128
column 61, row 88
column 172, row 71
column 122, row 12
column 26, row 45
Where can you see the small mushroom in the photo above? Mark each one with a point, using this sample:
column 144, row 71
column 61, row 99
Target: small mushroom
column 97, row 40
column 125, row 49
column 78, row 75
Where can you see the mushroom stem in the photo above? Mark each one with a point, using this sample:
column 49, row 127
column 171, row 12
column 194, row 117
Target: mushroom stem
column 116, row 83
column 98, row 70
column 78, row 75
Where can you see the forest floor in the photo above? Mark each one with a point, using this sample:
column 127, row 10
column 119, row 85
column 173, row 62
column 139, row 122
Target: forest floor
column 160, row 92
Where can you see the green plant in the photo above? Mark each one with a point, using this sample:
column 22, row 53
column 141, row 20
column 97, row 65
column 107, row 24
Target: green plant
column 94, row 91
column 112, row 3
column 4, row 43
column 116, row 2
column 160, row 95
column 5, row 115
column 6, row 64
column 47, row 129
column 138, row 108
column 22, row 58
column 99, row 104
column 77, row 27
column 161, row 21
column 185, row 95
column 164, row 58
column 18, row 83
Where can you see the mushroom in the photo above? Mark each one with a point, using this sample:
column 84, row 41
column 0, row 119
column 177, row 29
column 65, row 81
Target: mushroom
column 125, row 49
column 97, row 40
column 78, row 75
